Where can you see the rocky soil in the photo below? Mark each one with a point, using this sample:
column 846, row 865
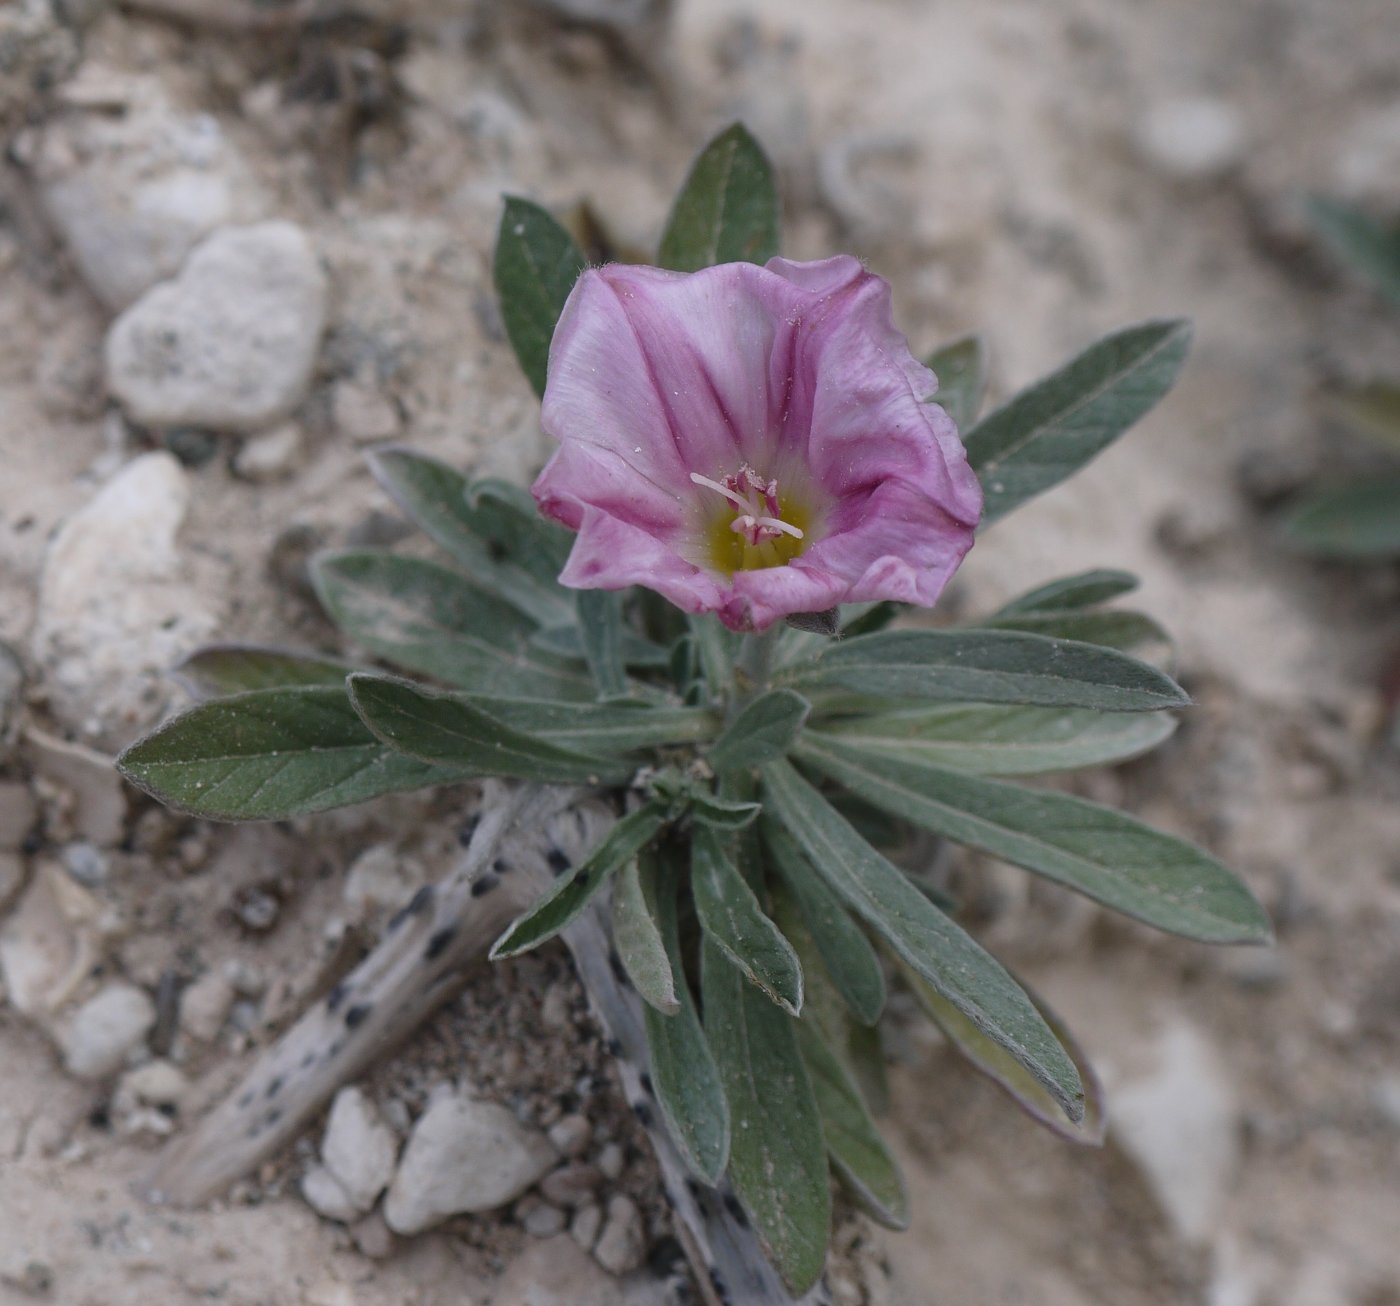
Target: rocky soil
column 242, row 242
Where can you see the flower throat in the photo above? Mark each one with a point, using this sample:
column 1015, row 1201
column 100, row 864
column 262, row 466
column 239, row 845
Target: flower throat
column 765, row 532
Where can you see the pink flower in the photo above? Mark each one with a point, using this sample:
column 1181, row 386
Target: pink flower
column 751, row 441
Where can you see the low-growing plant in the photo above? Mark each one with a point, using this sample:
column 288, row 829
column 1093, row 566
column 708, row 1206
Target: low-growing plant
column 754, row 482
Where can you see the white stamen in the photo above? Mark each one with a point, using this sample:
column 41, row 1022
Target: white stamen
column 719, row 489
column 777, row 524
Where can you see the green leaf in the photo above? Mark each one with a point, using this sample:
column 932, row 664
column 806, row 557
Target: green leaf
column 573, row 891
column 535, row 267
column 994, row 740
column 858, row 1153
column 1009, row 1075
column 939, row 950
column 1128, row 632
column 688, row 1087
column 727, row 210
column 845, row 951
column 1373, row 410
column 431, row 619
column 1356, row 521
column 270, row 754
column 1049, row 431
column 732, row 918
column 777, row 1159
column 637, row 935
column 722, row 813
column 505, row 515
column 763, row 730
column 434, row 496
column 567, row 642
column 989, row 666
column 1084, row 590
column 717, row 648
column 443, row 729
column 600, row 628
column 961, row 368
column 1153, row 877
column 237, row 668
column 1372, row 248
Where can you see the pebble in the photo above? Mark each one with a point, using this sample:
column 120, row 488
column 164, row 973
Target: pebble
column 18, row 812
column 50, row 942
column 362, row 413
column 325, row 1195
column 587, row 1222
column 105, row 1030
column 99, row 806
column 571, row 1135
column 116, row 611
column 555, row 1272
column 156, row 1084
column 231, row 343
column 271, row 456
column 129, row 194
column 86, row 864
column 205, row 1005
column 556, row 1011
column 541, row 1220
column 572, row 1185
column 380, row 881
column 622, row 1244
column 1193, row 138
column 1179, row 1122
column 464, row 1155
column 358, row 1148
column 611, row 1161
column 373, row 1237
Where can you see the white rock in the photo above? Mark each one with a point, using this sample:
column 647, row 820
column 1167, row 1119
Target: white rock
column 271, row 456
column 105, row 1029
column 204, row 1006
column 1192, row 138
column 156, row 1084
column 555, row 1272
column 362, row 413
column 1179, row 1122
column 115, row 606
column 99, row 797
column 230, row 344
column 131, row 193
column 464, row 1155
column 50, row 942
column 622, row 1244
column 380, row 880
column 587, row 1222
column 571, row 1134
column 325, row 1196
column 359, row 1149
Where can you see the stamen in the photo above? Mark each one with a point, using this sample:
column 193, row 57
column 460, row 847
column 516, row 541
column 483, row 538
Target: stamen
column 778, row 524
column 719, row 489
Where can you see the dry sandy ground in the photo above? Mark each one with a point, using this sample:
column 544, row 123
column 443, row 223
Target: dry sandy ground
column 994, row 161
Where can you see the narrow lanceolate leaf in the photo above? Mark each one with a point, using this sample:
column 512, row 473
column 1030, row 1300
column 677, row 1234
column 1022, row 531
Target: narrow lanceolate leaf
column 1049, row 431
column 727, row 210
column 1371, row 247
column 1108, row 856
column 989, row 666
column 573, row 891
column 858, row 1153
column 445, row 730
column 722, row 813
column 1084, row 590
column 505, row 514
column 845, row 951
column 1361, row 520
column 271, row 754
column 961, row 368
column 637, row 937
column 928, row 940
column 689, row 1090
column 988, row 739
column 731, row 917
column 763, row 730
column 600, row 630
column 596, row 728
column 1129, row 632
column 777, row 1159
column 1009, row 1075
column 535, row 267
column 434, row 496
column 237, row 668
column 433, row 620
column 567, row 642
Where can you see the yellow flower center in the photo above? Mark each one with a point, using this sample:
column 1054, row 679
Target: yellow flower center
column 753, row 524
